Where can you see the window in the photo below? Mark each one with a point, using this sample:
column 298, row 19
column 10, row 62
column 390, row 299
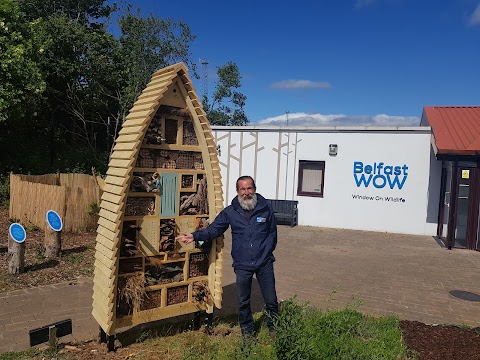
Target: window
column 310, row 178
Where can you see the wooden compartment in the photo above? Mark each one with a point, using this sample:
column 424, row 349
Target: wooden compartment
column 171, row 131
column 129, row 240
column 188, row 181
column 198, row 265
column 195, row 203
column 145, row 182
column 140, row 206
column 177, row 295
column 175, row 256
column 201, row 296
column 189, row 136
column 167, row 235
column 130, row 294
column 130, row 265
column 148, row 237
column 152, row 300
column 154, row 133
column 158, row 272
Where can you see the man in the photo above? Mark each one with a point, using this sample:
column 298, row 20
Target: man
column 254, row 237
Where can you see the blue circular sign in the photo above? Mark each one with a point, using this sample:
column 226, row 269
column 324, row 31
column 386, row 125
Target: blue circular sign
column 54, row 220
column 17, row 232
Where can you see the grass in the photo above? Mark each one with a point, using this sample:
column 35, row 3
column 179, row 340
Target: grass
column 75, row 258
column 302, row 332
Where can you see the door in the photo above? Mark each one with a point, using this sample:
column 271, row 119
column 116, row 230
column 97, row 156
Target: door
column 467, row 209
column 462, row 208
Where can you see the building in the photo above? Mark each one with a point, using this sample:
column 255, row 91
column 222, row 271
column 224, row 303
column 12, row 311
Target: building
column 392, row 179
column 456, row 144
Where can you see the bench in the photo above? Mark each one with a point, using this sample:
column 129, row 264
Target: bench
column 286, row 211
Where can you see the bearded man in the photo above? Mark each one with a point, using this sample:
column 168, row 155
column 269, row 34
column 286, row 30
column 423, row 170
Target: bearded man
column 254, row 238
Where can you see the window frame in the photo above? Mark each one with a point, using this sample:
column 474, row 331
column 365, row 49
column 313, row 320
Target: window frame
column 301, row 165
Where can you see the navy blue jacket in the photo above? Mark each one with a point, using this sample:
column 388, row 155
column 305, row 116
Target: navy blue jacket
column 253, row 241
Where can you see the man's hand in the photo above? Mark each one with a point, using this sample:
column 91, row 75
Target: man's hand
column 185, row 238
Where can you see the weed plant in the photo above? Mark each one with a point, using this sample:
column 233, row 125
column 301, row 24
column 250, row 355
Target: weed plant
column 304, row 332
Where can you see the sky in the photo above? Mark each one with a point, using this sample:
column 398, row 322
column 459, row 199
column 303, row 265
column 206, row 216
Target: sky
column 337, row 62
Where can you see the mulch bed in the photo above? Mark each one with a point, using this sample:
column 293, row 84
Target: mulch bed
column 76, row 259
column 441, row 342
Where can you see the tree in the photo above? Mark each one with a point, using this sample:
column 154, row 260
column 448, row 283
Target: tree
column 21, row 78
column 148, row 44
column 226, row 107
column 66, row 77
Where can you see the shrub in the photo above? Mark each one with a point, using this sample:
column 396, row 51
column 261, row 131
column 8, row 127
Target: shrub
column 4, row 190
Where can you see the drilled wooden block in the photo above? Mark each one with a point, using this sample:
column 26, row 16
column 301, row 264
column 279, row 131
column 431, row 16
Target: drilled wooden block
column 185, row 160
column 152, row 300
column 140, row 206
column 148, row 236
column 177, row 295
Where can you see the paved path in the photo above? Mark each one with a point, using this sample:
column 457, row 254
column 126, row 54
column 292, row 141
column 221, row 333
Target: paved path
column 412, row 277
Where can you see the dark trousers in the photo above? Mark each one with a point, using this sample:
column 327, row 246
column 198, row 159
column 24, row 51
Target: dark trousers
column 266, row 280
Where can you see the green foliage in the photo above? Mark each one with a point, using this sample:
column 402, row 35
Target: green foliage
column 67, row 82
column 21, row 79
column 148, row 44
column 32, row 227
column 4, row 191
column 93, row 208
column 227, row 104
column 81, row 11
column 307, row 333
column 23, row 355
column 75, row 258
column 39, row 252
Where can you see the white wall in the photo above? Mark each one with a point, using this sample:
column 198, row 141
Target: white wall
column 271, row 156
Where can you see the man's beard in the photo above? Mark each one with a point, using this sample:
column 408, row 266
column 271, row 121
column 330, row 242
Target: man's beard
column 248, row 202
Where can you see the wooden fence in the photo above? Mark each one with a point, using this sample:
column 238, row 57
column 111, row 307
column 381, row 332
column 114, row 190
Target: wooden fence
column 70, row 195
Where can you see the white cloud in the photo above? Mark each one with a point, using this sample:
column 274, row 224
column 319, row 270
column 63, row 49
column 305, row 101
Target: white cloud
column 474, row 19
column 300, row 84
column 304, row 119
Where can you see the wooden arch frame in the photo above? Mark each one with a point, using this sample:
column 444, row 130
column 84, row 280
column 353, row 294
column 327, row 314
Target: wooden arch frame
column 170, row 90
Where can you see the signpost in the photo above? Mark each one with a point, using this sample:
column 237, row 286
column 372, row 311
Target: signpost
column 53, row 232
column 50, row 332
column 16, row 248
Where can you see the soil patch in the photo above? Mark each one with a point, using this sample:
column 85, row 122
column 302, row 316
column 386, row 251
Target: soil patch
column 76, row 259
column 441, row 342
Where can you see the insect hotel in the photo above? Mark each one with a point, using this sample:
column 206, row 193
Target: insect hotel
column 163, row 179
